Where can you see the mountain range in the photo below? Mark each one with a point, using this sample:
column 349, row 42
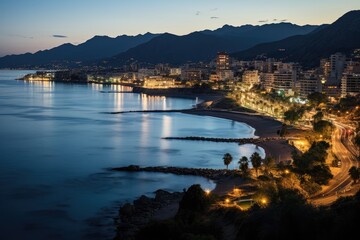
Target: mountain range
column 155, row 48
column 95, row 48
column 341, row 36
column 285, row 41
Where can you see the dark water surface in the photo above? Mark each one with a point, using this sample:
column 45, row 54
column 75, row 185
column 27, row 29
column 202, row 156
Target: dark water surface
column 56, row 142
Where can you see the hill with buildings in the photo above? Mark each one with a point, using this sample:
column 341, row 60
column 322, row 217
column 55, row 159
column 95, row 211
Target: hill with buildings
column 341, row 36
column 68, row 54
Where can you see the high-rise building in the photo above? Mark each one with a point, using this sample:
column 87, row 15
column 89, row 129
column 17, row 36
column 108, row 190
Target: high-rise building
column 350, row 84
column 222, row 61
column 284, row 81
column 337, row 66
column 309, row 82
column 267, row 80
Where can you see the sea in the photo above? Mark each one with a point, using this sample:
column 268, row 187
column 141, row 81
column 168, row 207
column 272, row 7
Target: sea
column 58, row 141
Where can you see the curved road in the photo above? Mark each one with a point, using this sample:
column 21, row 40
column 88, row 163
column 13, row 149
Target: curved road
column 344, row 149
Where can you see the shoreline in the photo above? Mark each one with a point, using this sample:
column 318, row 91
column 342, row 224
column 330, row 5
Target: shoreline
column 264, row 127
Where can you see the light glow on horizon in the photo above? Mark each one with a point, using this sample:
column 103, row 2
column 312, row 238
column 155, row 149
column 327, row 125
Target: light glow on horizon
column 23, row 28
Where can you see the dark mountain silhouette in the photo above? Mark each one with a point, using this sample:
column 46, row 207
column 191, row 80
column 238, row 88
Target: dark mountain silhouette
column 341, row 36
column 197, row 46
column 248, row 35
column 173, row 49
column 97, row 47
column 203, row 45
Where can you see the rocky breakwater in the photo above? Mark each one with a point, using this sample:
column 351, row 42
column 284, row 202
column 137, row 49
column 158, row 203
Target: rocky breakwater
column 143, row 210
column 213, row 174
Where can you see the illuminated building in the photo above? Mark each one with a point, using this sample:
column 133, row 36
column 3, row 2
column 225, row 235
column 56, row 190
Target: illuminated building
column 251, row 77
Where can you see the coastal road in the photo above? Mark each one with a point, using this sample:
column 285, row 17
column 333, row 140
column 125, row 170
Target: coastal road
column 341, row 183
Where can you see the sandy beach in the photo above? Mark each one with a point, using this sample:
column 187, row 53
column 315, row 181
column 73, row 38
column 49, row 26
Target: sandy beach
column 264, row 127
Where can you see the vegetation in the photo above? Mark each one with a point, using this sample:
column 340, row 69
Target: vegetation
column 316, row 98
column 244, row 165
column 256, row 161
column 324, row 128
column 311, row 165
column 227, row 159
column 190, row 223
column 318, row 116
column 294, row 114
column 354, row 173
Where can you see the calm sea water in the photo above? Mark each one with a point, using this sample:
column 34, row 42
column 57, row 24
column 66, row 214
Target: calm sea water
column 57, row 141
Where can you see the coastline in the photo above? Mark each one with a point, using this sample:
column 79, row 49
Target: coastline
column 264, row 127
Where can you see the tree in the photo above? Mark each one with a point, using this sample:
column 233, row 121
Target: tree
column 324, row 127
column 294, row 114
column 354, row 173
column 268, row 165
column 316, row 98
column 256, row 161
column 357, row 139
column 318, row 116
column 244, row 165
column 227, row 159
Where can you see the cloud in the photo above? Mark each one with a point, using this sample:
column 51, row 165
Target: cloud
column 197, row 13
column 263, row 21
column 284, row 20
column 21, row 36
column 214, row 9
column 214, row 17
column 59, row 36
column 275, row 20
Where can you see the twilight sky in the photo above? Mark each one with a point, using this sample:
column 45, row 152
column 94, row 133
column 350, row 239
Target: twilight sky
column 32, row 25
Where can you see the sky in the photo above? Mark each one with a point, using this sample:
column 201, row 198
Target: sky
column 32, row 25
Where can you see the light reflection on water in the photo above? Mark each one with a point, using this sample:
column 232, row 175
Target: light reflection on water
column 56, row 142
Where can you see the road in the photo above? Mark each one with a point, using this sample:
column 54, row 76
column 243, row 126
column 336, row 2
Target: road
column 345, row 150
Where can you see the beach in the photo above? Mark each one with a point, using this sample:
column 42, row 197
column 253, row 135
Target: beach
column 264, row 126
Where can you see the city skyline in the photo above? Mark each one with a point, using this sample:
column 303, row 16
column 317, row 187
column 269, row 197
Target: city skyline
column 40, row 25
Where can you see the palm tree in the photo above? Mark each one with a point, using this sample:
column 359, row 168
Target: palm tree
column 244, row 165
column 268, row 164
column 354, row 173
column 227, row 159
column 256, row 161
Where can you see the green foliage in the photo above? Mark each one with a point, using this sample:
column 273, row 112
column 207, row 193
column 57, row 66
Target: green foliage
column 354, row 173
column 321, row 174
column 316, row 98
column 194, row 200
column 318, row 116
column 311, row 187
column 244, row 165
column 227, row 159
column 294, row 114
column 256, row 161
column 324, row 127
column 312, row 162
column 357, row 139
column 268, row 165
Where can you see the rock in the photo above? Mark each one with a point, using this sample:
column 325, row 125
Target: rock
column 127, row 210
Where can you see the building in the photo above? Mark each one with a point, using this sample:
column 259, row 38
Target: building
column 284, row 81
column 337, row 66
column 222, row 61
column 309, row 82
column 159, row 82
column 251, row 77
column 146, row 72
column 267, row 81
column 191, row 75
column 175, row 71
column 350, row 84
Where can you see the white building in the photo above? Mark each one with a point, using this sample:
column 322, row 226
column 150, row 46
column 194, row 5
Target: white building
column 251, row 77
